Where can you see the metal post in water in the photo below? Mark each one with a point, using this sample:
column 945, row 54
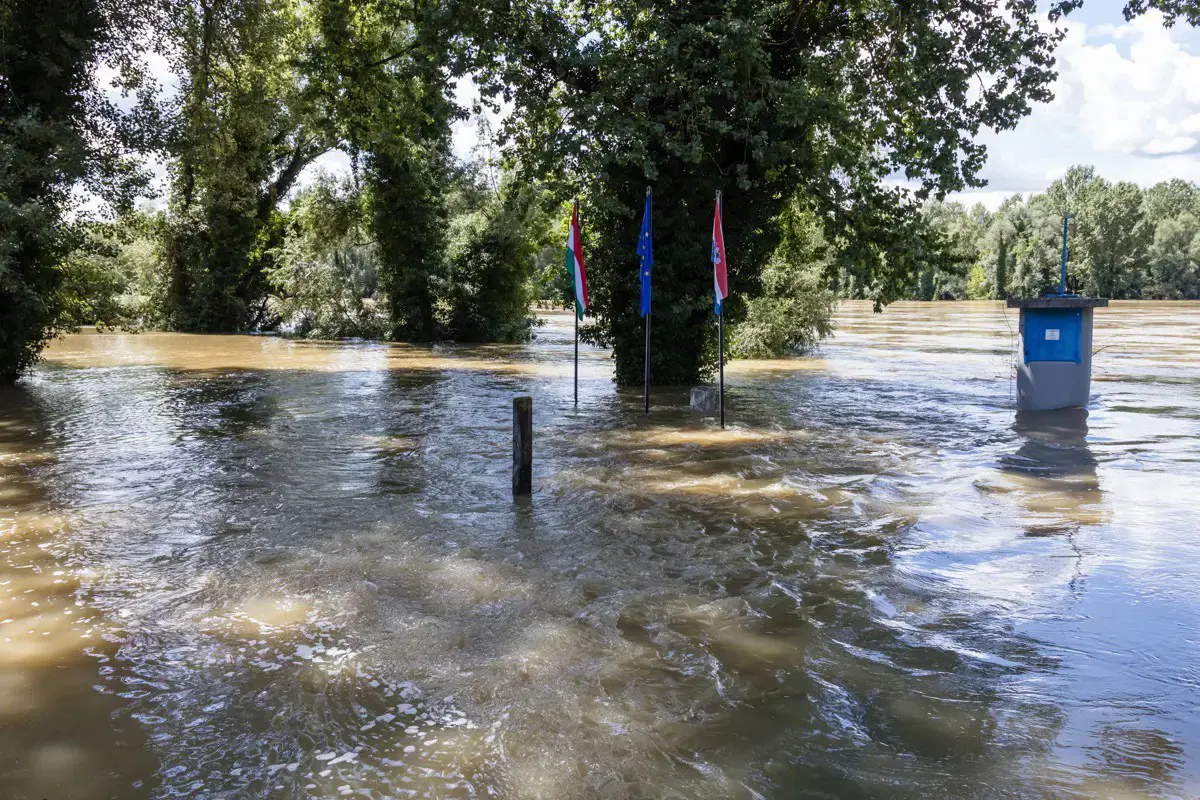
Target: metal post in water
column 645, row 251
column 721, row 358
column 721, row 324
column 576, row 357
column 647, row 362
column 522, row 473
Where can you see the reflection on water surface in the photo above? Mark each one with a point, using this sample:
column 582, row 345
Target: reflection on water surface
column 246, row 567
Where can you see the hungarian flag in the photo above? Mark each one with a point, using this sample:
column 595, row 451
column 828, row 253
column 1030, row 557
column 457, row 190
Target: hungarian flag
column 574, row 262
column 720, row 278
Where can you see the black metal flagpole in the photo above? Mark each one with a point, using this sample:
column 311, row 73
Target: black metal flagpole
column 575, row 215
column 649, row 311
column 647, row 362
column 721, row 318
column 721, row 347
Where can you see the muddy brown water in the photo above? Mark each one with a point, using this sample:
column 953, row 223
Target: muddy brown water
column 236, row 566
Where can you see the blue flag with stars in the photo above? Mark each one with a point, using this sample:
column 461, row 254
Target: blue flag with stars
column 645, row 249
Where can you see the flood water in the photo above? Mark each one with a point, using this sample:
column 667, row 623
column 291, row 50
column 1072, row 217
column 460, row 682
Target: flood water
column 242, row 567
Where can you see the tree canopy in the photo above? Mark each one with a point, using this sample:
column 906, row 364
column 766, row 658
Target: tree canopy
column 57, row 134
column 763, row 100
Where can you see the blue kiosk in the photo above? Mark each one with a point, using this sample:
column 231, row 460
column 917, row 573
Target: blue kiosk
column 1056, row 346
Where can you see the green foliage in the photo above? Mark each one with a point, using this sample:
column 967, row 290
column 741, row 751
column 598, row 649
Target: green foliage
column 112, row 273
column 1112, row 239
column 978, row 286
column 382, row 69
column 794, row 312
column 138, row 261
column 1170, row 199
column 245, row 127
column 960, row 232
column 326, row 274
column 771, row 102
column 1174, row 272
column 57, row 133
column 496, row 241
column 764, row 100
column 1124, row 243
column 1000, row 265
column 1036, row 249
column 408, row 220
column 331, row 280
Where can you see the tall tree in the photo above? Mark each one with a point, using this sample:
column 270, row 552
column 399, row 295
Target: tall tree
column 795, row 310
column 1000, row 273
column 245, row 128
column 763, row 100
column 1036, row 248
column 1113, row 240
column 1170, row 199
column 960, row 231
column 407, row 182
column 57, row 132
column 1174, row 261
column 387, row 68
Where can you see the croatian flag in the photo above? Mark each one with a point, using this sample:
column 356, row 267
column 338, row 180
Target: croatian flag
column 720, row 278
column 574, row 264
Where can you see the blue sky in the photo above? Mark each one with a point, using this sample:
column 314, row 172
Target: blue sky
column 1127, row 101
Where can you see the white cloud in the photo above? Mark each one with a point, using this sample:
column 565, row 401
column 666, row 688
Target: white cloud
column 1174, row 144
column 1127, row 101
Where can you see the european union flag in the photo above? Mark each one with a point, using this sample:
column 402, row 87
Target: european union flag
column 645, row 249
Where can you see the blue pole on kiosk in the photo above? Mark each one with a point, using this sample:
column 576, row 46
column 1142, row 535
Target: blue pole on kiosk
column 1062, row 281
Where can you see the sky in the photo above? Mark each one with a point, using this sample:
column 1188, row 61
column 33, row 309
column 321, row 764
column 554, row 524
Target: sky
column 1126, row 101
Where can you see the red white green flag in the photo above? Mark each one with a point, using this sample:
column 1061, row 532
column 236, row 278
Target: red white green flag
column 574, row 263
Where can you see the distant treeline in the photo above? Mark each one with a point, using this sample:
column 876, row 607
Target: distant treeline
column 1127, row 242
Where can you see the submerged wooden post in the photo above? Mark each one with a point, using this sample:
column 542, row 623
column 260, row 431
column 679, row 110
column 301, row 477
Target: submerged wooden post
column 522, row 474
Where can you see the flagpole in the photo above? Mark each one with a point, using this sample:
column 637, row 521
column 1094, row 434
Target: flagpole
column 647, row 365
column 576, row 315
column 721, row 328
column 721, row 347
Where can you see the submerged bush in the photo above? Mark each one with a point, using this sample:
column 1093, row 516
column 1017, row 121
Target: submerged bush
column 498, row 242
column 794, row 310
column 794, row 314
column 326, row 274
